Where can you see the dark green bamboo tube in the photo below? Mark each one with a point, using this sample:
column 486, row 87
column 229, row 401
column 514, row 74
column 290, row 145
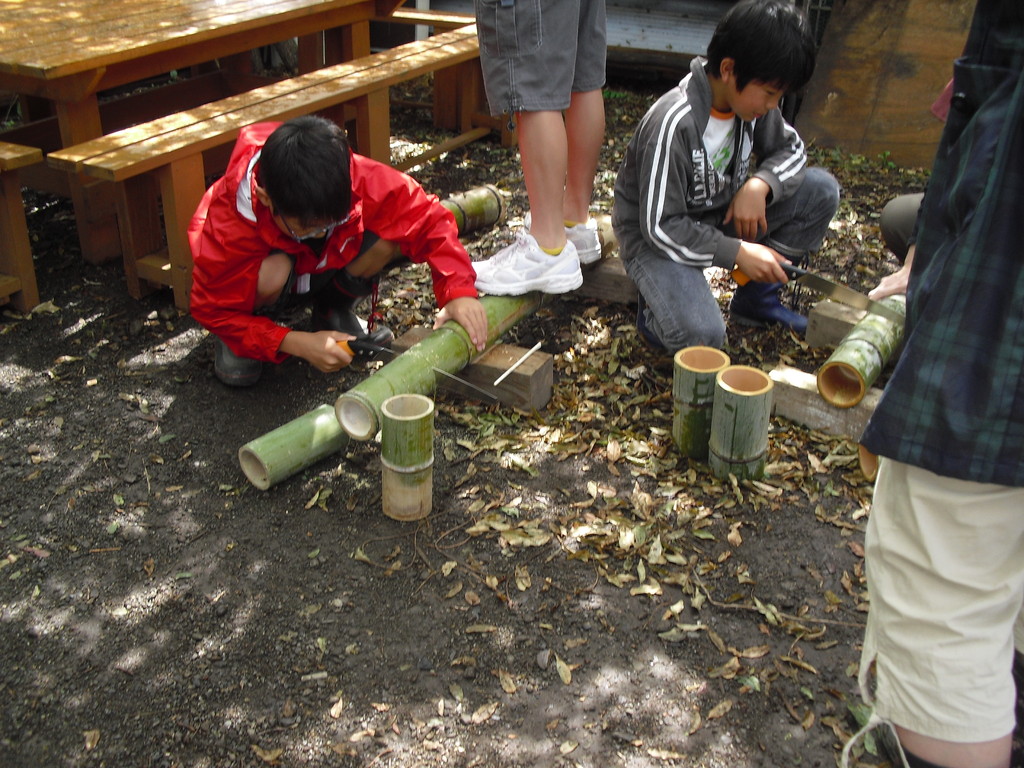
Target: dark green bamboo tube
column 693, row 394
column 739, row 423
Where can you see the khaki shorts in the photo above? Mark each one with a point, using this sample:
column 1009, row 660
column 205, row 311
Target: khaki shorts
column 945, row 567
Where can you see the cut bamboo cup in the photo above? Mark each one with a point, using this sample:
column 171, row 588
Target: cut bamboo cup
column 292, row 447
column 868, row 463
column 476, row 208
column 693, row 393
column 447, row 349
column 739, row 423
column 407, row 456
column 859, row 358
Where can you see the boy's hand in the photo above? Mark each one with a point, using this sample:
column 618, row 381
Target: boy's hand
column 761, row 263
column 747, row 209
column 470, row 314
column 320, row 349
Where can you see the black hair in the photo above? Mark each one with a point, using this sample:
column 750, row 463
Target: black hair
column 770, row 41
column 304, row 168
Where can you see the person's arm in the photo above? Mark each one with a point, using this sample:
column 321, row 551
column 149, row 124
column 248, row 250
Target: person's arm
column 896, row 283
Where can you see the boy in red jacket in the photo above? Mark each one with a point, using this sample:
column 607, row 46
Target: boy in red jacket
column 298, row 217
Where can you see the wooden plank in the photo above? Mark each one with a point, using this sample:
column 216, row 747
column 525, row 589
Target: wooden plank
column 115, row 155
column 606, row 279
column 829, row 322
column 528, row 387
column 880, row 67
column 14, row 156
column 15, row 248
column 797, row 399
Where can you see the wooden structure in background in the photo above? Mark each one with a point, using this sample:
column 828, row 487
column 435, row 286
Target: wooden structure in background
column 880, row 67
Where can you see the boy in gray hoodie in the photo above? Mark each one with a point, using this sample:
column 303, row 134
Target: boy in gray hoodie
column 689, row 194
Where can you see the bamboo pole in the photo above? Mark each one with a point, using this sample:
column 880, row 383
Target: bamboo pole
column 447, row 349
column 860, row 357
column 407, row 456
column 739, row 422
column 868, row 463
column 292, row 447
column 476, row 208
column 693, row 393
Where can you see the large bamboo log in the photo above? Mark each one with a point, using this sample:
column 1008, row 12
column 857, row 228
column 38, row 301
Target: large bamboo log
column 448, row 349
column 859, row 358
column 476, row 208
column 739, row 423
column 693, row 393
column 407, row 456
column 292, row 447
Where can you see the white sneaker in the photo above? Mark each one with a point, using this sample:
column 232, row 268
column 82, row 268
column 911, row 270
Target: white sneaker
column 584, row 236
column 523, row 267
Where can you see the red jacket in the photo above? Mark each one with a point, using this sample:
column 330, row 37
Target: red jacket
column 231, row 233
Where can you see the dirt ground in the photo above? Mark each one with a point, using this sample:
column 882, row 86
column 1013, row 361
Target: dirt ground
column 580, row 595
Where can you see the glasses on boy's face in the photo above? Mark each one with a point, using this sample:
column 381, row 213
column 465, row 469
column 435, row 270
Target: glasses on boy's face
column 311, row 234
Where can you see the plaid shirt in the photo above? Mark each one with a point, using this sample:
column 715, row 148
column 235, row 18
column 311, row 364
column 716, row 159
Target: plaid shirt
column 955, row 402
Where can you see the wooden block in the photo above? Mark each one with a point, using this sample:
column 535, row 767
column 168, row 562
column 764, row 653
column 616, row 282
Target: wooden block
column 829, row 322
column 607, row 279
column 528, row 387
column 797, row 399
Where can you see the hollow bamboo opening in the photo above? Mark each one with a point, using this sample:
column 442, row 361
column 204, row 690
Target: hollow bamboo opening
column 356, row 417
column 745, row 380
column 841, row 385
column 702, row 359
column 868, row 463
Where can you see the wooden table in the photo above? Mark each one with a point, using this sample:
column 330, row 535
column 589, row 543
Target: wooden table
column 68, row 51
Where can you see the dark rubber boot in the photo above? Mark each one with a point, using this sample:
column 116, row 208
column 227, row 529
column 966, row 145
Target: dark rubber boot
column 758, row 304
column 233, row 370
column 334, row 309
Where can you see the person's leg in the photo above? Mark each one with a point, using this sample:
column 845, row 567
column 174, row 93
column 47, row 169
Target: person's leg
column 336, row 294
column 678, row 309
column 897, row 221
column 584, row 127
column 544, row 151
column 945, row 568
column 796, row 227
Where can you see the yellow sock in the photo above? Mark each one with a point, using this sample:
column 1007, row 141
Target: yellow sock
column 552, row 251
column 570, row 224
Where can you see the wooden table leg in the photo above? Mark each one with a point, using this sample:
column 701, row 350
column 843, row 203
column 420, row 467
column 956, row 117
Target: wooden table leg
column 94, row 204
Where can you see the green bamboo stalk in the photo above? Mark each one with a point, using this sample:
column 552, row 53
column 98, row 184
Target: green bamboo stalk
column 739, row 423
column 292, row 447
column 860, row 357
column 447, row 349
column 407, row 456
column 693, row 393
column 476, row 208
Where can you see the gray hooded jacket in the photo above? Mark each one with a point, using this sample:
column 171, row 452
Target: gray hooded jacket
column 670, row 200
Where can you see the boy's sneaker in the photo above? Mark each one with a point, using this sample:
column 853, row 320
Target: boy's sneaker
column 233, row 370
column 584, row 236
column 523, row 267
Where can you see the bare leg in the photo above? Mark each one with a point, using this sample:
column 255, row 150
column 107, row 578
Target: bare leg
column 543, row 148
column 274, row 271
column 584, row 127
column 982, row 754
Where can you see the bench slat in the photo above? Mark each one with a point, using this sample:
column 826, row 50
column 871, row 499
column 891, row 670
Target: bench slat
column 206, row 124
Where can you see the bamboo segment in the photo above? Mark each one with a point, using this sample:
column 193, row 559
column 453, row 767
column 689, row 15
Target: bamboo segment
column 739, row 422
column 292, row 447
column 859, row 358
column 447, row 349
column 407, row 456
column 693, row 393
column 476, row 208
column 868, row 463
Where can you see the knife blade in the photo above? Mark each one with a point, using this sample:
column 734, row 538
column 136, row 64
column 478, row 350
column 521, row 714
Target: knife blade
column 844, row 294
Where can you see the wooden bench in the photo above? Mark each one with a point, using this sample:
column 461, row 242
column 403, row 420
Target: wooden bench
column 163, row 158
column 17, row 272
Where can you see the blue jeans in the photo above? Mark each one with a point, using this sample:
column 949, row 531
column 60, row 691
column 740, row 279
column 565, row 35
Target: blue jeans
column 682, row 312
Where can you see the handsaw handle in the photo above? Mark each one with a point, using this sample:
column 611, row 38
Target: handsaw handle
column 742, row 278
